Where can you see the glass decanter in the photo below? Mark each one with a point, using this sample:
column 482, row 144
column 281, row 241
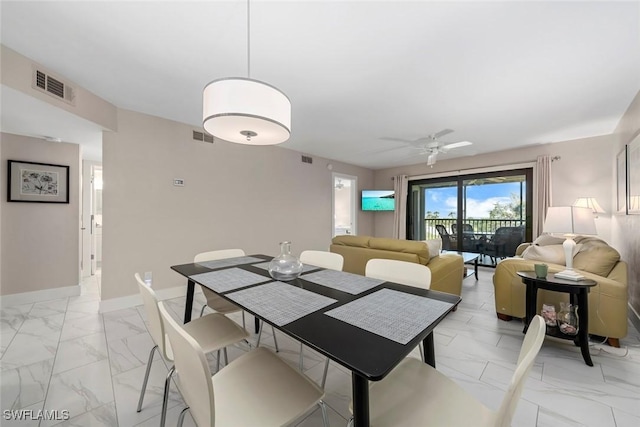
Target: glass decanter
column 568, row 318
column 285, row 266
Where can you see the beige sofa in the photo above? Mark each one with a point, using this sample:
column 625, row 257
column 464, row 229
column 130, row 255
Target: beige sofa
column 595, row 260
column 446, row 269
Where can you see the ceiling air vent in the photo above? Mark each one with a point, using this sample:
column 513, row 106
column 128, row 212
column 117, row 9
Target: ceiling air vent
column 52, row 86
column 307, row 159
column 202, row 136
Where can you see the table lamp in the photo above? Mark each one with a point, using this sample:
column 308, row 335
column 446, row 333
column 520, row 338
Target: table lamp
column 589, row 202
column 569, row 221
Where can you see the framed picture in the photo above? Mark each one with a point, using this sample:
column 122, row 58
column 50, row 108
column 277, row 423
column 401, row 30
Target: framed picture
column 37, row 182
column 621, row 183
column 633, row 174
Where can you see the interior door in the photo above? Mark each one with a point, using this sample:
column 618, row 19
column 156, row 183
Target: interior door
column 344, row 203
column 96, row 220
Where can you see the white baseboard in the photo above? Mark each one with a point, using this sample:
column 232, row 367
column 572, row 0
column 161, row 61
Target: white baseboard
column 129, row 301
column 634, row 317
column 37, row 296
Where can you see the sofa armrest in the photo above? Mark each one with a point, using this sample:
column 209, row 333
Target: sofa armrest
column 447, row 272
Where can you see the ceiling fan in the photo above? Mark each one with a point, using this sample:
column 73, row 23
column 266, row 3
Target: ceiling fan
column 431, row 145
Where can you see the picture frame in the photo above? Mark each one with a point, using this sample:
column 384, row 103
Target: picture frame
column 633, row 176
column 32, row 182
column 621, row 181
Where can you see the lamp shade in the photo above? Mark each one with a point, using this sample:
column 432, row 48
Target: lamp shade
column 246, row 111
column 570, row 220
column 589, row 202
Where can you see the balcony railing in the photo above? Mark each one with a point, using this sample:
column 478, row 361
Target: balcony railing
column 480, row 226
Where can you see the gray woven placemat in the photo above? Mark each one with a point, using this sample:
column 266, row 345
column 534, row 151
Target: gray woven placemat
column 279, row 302
column 346, row 282
column 392, row 314
column 230, row 262
column 305, row 267
column 228, row 280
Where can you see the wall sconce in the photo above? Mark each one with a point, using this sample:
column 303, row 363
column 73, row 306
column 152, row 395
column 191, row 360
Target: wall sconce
column 591, row 203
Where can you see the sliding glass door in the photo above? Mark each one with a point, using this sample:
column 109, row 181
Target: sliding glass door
column 489, row 213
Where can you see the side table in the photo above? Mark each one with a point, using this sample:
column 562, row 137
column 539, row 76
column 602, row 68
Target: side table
column 577, row 296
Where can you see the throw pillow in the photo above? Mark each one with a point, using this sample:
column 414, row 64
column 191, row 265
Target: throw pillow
column 553, row 254
column 435, row 246
column 597, row 259
column 548, row 239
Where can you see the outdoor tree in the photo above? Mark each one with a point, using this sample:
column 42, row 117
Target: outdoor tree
column 511, row 210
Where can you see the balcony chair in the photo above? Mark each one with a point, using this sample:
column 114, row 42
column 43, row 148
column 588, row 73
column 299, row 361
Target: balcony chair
column 405, row 273
column 449, row 242
column 212, row 332
column 503, row 243
column 415, row 393
column 215, row 301
column 256, row 389
column 328, row 260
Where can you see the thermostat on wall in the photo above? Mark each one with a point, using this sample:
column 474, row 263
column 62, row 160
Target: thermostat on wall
column 178, row 182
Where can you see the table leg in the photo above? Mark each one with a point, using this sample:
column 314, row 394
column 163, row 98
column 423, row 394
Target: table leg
column 530, row 303
column 191, row 287
column 583, row 325
column 475, row 267
column 360, row 387
column 429, row 350
column 256, row 324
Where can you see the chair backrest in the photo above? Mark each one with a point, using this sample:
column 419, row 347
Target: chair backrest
column 442, row 230
column 194, row 376
column 156, row 327
column 219, row 254
column 329, row 260
column 406, row 273
column 528, row 352
column 467, row 228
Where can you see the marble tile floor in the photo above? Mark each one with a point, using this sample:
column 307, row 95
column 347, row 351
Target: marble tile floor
column 64, row 355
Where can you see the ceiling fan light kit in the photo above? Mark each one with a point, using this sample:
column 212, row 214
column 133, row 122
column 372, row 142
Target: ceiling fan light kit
column 244, row 110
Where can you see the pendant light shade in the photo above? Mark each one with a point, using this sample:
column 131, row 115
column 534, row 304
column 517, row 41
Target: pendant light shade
column 246, row 111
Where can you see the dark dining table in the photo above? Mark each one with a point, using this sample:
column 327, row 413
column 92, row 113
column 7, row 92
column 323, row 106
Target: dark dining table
column 368, row 355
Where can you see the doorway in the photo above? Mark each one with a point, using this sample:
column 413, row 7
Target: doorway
column 344, row 204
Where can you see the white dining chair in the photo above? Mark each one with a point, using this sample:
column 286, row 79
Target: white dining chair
column 328, row 260
column 256, row 389
column 215, row 301
column 415, row 393
column 403, row 272
column 214, row 332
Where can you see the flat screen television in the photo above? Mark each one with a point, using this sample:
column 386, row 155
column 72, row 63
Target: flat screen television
column 378, row 200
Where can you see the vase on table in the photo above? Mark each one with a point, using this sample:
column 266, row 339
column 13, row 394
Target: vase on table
column 568, row 318
column 285, row 266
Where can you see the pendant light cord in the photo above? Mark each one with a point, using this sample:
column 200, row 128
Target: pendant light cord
column 248, row 39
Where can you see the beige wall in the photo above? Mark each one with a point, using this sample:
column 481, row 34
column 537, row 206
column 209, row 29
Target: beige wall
column 39, row 242
column 584, row 169
column 234, row 196
column 626, row 228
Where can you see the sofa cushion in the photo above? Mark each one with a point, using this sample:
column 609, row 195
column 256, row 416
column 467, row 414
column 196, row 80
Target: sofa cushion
column 548, row 239
column 398, row 245
column 356, row 241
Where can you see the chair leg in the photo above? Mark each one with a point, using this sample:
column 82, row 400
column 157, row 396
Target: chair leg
column 324, row 375
column 350, row 422
column 244, row 324
column 165, row 398
column 146, row 378
column 301, row 362
column 202, row 311
column 226, row 357
column 323, row 408
column 259, row 336
column 275, row 341
column 181, row 417
column 218, row 362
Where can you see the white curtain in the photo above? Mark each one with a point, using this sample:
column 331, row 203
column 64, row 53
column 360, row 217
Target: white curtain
column 543, row 172
column 400, row 185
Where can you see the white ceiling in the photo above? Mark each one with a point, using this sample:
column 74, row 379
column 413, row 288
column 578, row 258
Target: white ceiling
column 501, row 74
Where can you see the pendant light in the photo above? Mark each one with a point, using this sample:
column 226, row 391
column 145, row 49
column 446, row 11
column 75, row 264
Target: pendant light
column 244, row 110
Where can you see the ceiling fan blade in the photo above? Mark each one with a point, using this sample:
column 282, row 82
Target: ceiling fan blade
column 442, row 133
column 455, row 145
column 386, row 138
